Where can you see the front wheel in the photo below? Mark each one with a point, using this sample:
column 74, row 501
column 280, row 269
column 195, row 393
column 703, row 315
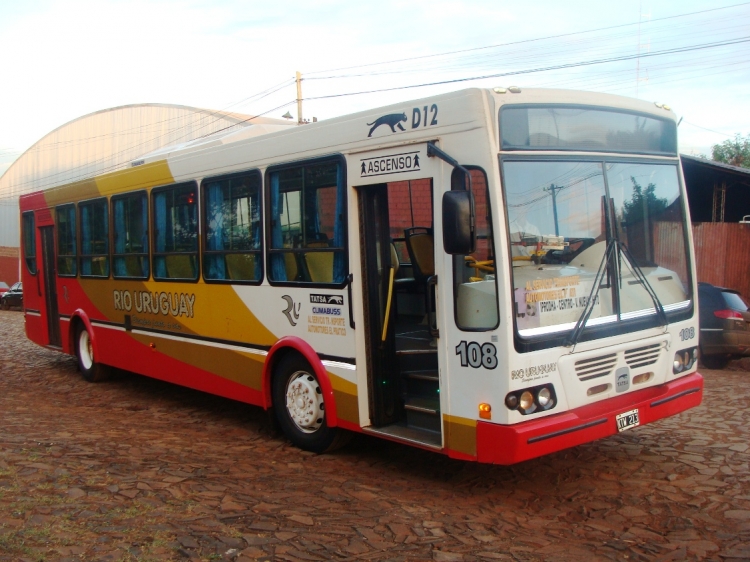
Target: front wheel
column 300, row 409
column 90, row 369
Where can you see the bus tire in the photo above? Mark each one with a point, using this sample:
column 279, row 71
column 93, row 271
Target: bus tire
column 90, row 369
column 299, row 408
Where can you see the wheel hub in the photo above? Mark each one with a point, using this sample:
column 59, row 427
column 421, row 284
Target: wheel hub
column 86, row 350
column 304, row 402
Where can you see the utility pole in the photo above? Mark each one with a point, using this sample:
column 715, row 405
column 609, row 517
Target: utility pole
column 299, row 98
column 554, row 189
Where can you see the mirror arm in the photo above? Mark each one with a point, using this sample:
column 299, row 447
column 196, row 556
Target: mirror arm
column 433, row 151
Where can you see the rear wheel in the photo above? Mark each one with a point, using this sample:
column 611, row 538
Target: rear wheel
column 90, row 369
column 300, row 409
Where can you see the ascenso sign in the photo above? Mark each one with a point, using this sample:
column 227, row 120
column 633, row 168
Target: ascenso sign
column 390, row 164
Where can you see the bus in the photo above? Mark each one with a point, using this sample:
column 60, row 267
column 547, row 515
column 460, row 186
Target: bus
column 492, row 274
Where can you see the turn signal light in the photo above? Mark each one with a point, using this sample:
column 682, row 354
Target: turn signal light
column 485, row 411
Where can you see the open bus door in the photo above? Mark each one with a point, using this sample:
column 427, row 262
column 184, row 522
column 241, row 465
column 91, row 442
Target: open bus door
column 404, row 252
column 398, row 283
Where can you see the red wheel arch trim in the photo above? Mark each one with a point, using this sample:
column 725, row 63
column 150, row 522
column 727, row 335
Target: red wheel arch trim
column 303, row 348
column 83, row 317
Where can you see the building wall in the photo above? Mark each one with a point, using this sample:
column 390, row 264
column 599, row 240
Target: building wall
column 9, row 265
column 722, row 254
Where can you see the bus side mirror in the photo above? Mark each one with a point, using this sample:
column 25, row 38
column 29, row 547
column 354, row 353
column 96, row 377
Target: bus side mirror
column 458, row 222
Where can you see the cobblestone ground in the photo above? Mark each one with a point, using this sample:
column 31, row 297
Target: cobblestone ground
column 136, row 469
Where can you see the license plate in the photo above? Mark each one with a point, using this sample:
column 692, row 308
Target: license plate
column 627, row 420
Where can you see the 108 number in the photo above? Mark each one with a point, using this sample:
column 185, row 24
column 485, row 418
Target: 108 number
column 687, row 333
column 474, row 354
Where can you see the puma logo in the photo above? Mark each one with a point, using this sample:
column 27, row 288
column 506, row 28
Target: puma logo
column 393, row 120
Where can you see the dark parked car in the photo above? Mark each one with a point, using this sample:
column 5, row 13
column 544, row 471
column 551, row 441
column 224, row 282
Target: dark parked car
column 13, row 297
column 724, row 324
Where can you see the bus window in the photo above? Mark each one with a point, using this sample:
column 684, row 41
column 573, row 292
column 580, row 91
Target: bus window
column 130, row 222
column 29, row 243
column 66, row 240
column 233, row 229
column 175, row 239
column 307, row 218
column 474, row 277
column 94, row 238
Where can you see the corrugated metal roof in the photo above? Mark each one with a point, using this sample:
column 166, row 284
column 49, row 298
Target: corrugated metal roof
column 717, row 165
column 107, row 140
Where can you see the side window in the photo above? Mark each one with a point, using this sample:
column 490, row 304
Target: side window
column 307, row 238
column 475, row 286
column 175, row 235
column 94, row 219
column 231, row 215
column 130, row 227
column 29, row 242
column 66, row 240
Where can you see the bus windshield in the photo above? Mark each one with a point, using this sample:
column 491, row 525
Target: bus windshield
column 561, row 214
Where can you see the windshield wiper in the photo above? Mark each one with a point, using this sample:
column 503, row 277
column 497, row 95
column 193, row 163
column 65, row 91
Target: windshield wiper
column 641, row 277
column 577, row 330
column 572, row 339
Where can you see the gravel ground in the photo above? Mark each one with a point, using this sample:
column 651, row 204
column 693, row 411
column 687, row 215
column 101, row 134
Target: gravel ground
column 137, row 469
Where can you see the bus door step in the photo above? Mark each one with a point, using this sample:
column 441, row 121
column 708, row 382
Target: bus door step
column 423, row 413
column 413, row 435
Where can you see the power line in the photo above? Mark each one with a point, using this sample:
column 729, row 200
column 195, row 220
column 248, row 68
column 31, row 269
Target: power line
column 545, row 69
column 139, row 129
column 709, row 130
column 512, row 43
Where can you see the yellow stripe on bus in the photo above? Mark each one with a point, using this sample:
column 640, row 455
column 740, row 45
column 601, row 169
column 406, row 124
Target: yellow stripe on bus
column 140, row 177
column 345, row 394
column 460, row 434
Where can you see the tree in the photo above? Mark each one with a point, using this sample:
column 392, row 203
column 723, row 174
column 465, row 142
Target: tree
column 644, row 206
column 638, row 218
column 735, row 152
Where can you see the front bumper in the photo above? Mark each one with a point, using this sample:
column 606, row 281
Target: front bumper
column 509, row 444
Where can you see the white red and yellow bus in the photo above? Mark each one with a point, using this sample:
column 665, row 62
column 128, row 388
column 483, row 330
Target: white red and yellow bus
column 491, row 274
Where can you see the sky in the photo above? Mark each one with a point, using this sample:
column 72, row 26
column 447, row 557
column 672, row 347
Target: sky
column 61, row 60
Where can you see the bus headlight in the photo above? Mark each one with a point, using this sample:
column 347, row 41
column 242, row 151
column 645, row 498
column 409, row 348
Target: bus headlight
column 544, row 398
column 530, row 400
column 684, row 360
column 526, row 403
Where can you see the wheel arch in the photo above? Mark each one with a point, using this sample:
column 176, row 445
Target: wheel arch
column 294, row 345
column 79, row 317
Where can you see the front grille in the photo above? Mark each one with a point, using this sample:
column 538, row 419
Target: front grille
column 642, row 356
column 588, row 369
